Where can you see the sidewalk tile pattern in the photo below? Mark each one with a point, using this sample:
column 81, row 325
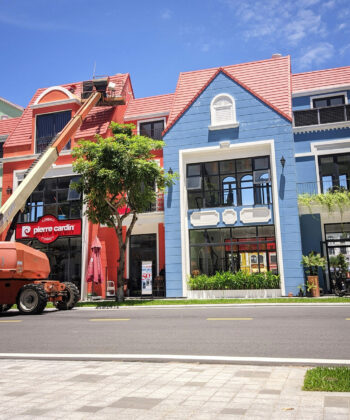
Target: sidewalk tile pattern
column 43, row 389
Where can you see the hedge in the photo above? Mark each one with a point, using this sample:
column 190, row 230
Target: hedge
column 235, row 281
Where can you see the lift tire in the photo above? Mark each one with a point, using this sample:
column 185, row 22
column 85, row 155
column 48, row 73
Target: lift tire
column 4, row 308
column 31, row 299
column 70, row 300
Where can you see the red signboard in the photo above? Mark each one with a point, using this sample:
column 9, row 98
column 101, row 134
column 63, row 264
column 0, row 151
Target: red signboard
column 48, row 229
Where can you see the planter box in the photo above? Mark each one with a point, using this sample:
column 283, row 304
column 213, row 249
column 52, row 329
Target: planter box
column 226, row 294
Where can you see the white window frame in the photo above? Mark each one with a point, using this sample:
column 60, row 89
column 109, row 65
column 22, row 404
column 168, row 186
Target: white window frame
column 328, row 95
column 227, row 124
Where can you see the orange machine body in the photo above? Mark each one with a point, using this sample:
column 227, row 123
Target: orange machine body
column 20, row 265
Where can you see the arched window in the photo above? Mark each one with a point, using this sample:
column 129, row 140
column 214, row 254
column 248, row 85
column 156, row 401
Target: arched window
column 229, row 191
column 247, row 190
column 223, row 112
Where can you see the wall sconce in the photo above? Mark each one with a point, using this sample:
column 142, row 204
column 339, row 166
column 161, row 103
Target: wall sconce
column 283, row 162
column 9, row 190
column 170, row 171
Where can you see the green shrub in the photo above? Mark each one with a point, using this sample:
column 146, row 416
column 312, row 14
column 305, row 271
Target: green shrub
column 224, row 280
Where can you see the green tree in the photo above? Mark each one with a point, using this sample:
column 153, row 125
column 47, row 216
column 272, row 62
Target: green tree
column 118, row 179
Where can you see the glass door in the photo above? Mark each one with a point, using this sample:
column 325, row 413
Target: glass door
column 142, row 248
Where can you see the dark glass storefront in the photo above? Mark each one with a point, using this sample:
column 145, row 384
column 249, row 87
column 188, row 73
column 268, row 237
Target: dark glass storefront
column 55, row 196
column 65, row 258
column 251, row 249
column 142, row 248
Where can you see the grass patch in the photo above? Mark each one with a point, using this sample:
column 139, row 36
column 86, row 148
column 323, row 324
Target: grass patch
column 159, row 302
column 334, row 379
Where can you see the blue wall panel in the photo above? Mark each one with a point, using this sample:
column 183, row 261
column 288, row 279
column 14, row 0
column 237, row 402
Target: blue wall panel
column 257, row 122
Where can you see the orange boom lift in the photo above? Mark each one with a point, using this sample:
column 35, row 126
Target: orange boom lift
column 24, row 270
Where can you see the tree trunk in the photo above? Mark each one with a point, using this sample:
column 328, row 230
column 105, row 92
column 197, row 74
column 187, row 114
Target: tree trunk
column 122, row 251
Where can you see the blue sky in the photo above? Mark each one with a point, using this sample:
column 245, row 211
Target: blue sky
column 49, row 42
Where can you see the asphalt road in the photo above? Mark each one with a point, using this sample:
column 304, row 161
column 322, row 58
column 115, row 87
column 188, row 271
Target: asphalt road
column 254, row 331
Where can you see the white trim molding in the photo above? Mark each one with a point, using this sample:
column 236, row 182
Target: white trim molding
column 150, row 120
column 54, row 103
column 234, row 151
column 229, row 120
column 52, row 89
column 320, row 90
column 151, row 115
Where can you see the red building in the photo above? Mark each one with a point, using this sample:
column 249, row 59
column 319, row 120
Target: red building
column 27, row 136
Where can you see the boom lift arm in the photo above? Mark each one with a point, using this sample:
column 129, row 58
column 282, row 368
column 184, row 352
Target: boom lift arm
column 18, row 199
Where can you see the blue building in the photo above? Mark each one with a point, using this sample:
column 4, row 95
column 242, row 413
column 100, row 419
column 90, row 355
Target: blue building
column 246, row 140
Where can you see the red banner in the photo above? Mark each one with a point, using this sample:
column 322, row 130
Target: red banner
column 48, row 229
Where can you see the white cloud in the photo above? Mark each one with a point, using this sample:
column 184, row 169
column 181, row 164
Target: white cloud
column 341, row 26
column 166, row 14
column 30, row 24
column 344, row 49
column 205, row 47
column 315, row 55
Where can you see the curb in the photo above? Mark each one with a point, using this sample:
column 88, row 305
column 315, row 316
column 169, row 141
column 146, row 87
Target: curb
column 212, row 305
column 165, row 358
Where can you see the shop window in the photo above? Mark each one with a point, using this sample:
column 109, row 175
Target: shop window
column 223, row 112
column 51, row 196
column 48, row 126
column 251, row 249
column 237, row 182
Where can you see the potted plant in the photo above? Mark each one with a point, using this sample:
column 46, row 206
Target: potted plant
column 312, row 263
column 301, row 290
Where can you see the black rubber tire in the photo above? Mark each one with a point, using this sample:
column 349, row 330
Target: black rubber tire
column 4, row 308
column 72, row 298
column 31, row 299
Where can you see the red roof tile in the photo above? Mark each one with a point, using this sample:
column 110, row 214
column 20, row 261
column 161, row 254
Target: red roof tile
column 269, row 80
column 321, row 79
column 159, row 105
column 8, row 125
column 97, row 120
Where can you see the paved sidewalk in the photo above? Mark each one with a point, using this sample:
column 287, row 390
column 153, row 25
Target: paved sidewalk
column 41, row 389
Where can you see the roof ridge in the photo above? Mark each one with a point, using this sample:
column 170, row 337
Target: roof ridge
column 236, row 65
column 21, row 108
column 154, row 96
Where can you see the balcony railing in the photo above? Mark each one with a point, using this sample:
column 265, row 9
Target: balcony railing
column 158, row 205
column 323, row 186
column 317, row 116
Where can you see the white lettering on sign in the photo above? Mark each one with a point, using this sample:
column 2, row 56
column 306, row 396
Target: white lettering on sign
column 42, row 229
column 65, row 228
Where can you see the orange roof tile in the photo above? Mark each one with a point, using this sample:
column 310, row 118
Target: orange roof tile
column 97, row 121
column 8, row 125
column 158, row 105
column 269, row 80
column 320, row 79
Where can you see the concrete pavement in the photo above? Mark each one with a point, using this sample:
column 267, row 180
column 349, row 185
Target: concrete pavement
column 37, row 389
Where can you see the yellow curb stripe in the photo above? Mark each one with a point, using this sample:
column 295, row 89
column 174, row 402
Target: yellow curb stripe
column 229, row 319
column 10, row 320
column 108, row 319
column 348, row 319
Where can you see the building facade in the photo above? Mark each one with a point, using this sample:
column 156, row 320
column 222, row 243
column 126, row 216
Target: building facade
column 246, row 140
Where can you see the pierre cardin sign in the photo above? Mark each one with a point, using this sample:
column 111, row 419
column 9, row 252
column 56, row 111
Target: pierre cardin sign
column 48, row 229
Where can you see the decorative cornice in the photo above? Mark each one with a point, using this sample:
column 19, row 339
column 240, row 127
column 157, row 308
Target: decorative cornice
column 50, row 104
column 146, row 116
column 321, row 127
